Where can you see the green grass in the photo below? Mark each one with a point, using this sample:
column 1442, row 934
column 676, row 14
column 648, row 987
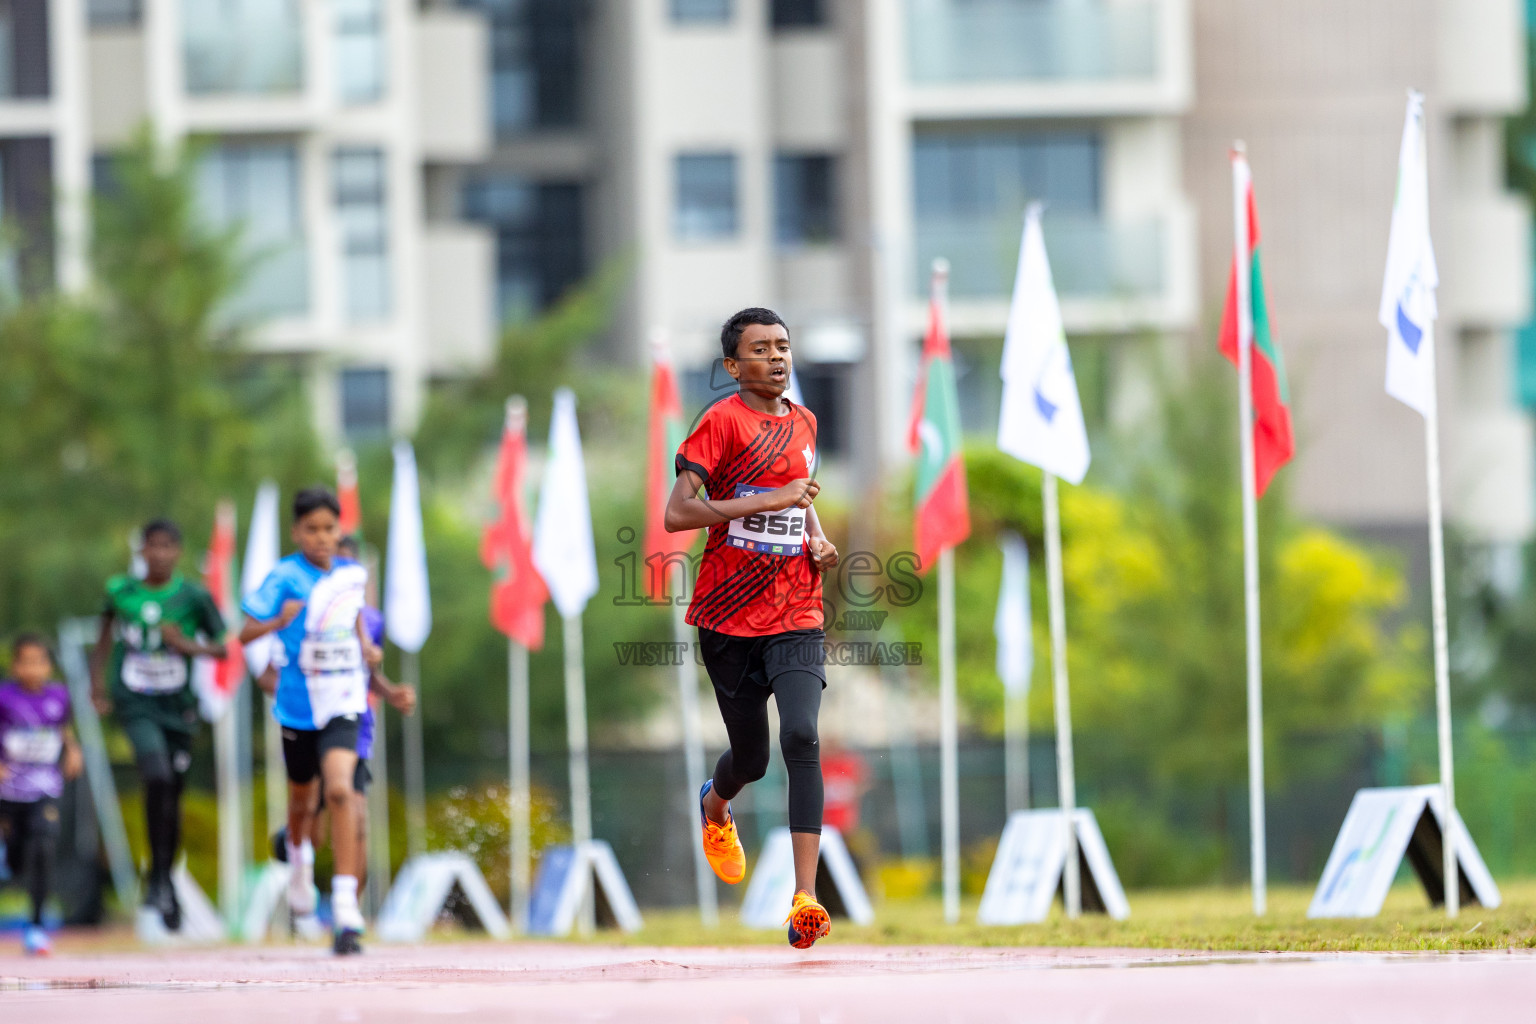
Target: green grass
column 1203, row 919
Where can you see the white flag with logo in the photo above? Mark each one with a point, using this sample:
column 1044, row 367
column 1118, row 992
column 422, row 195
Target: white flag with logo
column 407, row 597
column 1015, row 644
column 261, row 552
column 563, row 549
column 1042, row 419
column 1408, row 293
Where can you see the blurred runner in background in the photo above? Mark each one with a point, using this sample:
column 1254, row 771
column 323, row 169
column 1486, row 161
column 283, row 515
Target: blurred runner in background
column 141, row 668
column 37, row 753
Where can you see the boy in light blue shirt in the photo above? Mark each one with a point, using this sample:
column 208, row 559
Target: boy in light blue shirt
column 314, row 601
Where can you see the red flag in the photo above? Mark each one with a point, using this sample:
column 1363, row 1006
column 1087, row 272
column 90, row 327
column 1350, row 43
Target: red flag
column 942, row 516
column 219, row 577
column 346, row 493
column 1274, row 440
column 518, row 592
column 666, row 435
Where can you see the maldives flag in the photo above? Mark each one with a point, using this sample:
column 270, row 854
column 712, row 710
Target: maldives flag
column 943, row 517
column 1273, row 440
column 518, row 592
column 219, row 680
column 346, row 493
column 666, row 436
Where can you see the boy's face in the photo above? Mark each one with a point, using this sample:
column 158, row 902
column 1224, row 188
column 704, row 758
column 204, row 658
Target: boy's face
column 317, row 535
column 161, row 553
column 762, row 362
column 31, row 667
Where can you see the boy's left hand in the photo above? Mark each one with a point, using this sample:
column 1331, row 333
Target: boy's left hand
column 823, row 554
column 73, row 762
column 172, row 636
column 403, row 699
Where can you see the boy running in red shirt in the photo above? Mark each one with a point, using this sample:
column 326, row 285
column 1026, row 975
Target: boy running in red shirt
column 757, row 602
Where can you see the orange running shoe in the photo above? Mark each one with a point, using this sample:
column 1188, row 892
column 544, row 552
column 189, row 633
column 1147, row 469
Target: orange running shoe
column 807, row 920
column 722, row 846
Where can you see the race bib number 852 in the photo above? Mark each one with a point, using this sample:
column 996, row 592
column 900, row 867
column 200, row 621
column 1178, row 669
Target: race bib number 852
column 769, row 533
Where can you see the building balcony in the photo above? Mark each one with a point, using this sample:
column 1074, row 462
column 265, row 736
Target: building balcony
column 978, row 58
column 453, row 108
column 459, row 291
column 1110, row 274
column 1488, row 284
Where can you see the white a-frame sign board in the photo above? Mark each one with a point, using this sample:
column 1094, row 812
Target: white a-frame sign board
column 772, row 888
column 1031, row 857
column 424, row 887
column 1382, row 827
column 567, row 876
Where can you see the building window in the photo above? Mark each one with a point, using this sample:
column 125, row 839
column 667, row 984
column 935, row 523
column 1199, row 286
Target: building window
column 804, row 198
column 255, row 187
column 539, row 232
column 535, row 63
column 365, row 402
column 24, row 49
column 360, row 59
column 242, row 46
column 114, row 13
column 694, row 11
column 363, row 218
column 997, row 172
column 706, row 196
column 798, row 13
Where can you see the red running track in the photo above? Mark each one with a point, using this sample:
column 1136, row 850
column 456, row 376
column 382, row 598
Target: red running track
column 484, row 981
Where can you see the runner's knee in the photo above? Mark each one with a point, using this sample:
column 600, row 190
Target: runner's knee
column 799, row 740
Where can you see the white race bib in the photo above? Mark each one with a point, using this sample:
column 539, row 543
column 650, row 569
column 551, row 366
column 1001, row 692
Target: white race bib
column 38, row 745
column 154, row 671
column 768, row 533
column 319, row 656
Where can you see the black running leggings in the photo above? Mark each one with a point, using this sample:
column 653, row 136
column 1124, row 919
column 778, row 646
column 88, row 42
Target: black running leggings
column 746, row 723
column 31, row 833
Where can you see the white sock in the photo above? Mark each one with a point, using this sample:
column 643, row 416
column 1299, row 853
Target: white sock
column 301, row 877
column 344, row 902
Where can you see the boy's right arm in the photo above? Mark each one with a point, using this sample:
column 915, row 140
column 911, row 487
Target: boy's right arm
column 687, row 511
column 254, row 628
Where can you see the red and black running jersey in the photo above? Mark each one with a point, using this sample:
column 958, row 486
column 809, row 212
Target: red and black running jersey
column 756, row 578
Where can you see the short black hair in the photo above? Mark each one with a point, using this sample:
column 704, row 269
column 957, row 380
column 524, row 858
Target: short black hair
column 312, row 498
column 350, row 541
column 730, row 331
column 161, row 526
column 24, row 640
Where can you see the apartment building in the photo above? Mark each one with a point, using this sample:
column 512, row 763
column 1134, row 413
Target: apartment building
column 322, row 122
column 1317, row 89
column 816, row 155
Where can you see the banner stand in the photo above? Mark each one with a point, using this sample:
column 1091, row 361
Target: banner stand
column 1029, row 871
column 1381, row 828
column 430, row 883
column 584, row 877
column 772, row 888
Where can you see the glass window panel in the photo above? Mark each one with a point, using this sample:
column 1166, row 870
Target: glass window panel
column 255, row 187
column 106, row 13
column 798, row 13
column 242, row 46
column 535, row 62
column 358, row 176
column 539, row 239
column 685, row 11
column 359, row 52
column 365, row 401
column 805, row 198
column 706, row 196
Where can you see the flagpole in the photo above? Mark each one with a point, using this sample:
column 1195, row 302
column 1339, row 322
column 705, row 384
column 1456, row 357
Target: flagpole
column 415, row 767
column 1256, row 815
column 231, row 861
column 521, row 804
column 1016, row 751
column 576, row 740
column 276, row 774
column 693, row 752
column 1441, row 640
column 949, row 759
column 1066, row 773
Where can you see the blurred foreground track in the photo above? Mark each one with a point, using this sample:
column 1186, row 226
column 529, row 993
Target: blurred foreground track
column 588, row 982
